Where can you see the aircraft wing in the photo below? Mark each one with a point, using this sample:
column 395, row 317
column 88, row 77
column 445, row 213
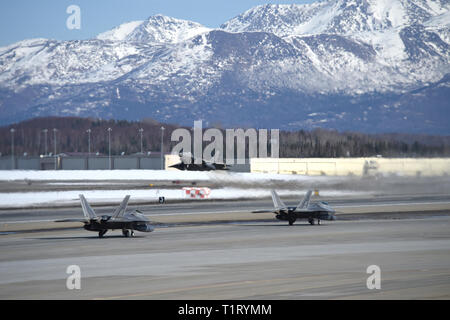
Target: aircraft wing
column 304, row 210
column 263, row 211
column 135, row 216
column 316, row 207
column 72, row 220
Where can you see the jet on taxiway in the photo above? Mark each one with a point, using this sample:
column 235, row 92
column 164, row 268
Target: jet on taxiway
column 304, row 210
column 187, row 163
column 127, row 222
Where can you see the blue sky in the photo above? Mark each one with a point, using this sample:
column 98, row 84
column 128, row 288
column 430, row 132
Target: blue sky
column 25, row 19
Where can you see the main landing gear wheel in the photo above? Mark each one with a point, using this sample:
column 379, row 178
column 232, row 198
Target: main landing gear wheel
column 291, row 222
column 128, row 233
column 101, row 233
column 318, row 222
column 311, row 221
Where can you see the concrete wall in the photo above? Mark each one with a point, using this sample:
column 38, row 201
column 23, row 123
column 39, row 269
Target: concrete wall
column 27, row 164
column 353, row 166
column 126, row 163
column 150, row 163
column 73, row 163
column 305, row 166
column 6, row 163
column 80, row 163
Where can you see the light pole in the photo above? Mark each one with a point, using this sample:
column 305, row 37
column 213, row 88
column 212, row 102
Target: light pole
column 45, row 137
column 13, row 164
column 109, row 142
column 54, row 144
column 89, row 141
column 141, row 131
column 162, row 148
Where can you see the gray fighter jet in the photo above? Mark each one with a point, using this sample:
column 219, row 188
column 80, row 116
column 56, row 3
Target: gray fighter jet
column 304, row 210
column 187, row 163
column 128, row 222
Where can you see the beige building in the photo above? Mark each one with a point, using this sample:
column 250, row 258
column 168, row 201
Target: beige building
column 169, row 160
column 353, row 166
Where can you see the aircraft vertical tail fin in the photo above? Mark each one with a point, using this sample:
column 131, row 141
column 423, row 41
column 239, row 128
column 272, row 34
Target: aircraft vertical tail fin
column 121, row 209
column 88, row 212
column 277, row 203
column 305, row 202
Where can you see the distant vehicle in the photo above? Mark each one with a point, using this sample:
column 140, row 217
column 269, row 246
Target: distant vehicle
column 128, row 222
column 304, row 210
column 187, row 163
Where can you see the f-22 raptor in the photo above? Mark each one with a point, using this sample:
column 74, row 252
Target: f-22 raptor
column 128, row 222
column 304, row 210
column 187, row 163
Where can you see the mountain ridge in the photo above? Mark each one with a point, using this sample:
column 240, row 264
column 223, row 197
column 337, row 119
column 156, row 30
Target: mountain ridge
column 355, row 73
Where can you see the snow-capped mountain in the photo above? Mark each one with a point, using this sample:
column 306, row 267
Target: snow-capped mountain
column 371, row 65
column 157, row 28
column 121, row 32
column 344, row 17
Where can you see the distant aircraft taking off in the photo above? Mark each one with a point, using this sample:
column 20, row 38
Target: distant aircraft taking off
column 304, row 210
column 188, row 164
column 128, row 222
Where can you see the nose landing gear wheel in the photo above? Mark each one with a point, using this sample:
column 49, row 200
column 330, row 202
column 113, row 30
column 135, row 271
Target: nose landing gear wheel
column 101, row 233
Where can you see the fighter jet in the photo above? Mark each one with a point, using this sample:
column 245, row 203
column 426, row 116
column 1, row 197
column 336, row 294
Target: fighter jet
column 187, row 163
column 128, row 222
column 304, row 210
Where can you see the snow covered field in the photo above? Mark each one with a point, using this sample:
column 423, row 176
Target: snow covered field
column 153, row 175
column 95, row 175
column 255, row 182
column 54, row 198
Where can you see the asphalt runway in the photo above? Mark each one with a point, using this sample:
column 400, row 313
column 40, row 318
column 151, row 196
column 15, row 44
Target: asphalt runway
column 251, row 260
column 393, row 203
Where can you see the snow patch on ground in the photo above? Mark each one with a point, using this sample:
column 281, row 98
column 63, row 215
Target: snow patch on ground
column 154, row 175
column 93, row 175
column 26, row 199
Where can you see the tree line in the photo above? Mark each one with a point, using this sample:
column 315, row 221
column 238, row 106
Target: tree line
column 72, row 137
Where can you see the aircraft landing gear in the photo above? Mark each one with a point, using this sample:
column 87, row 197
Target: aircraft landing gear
column 128, row 233
column 101, row 233
column 311, row 221
column 291, row 222
column 318, row 222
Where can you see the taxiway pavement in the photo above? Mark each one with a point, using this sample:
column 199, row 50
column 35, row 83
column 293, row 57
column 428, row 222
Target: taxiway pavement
column 251, row 260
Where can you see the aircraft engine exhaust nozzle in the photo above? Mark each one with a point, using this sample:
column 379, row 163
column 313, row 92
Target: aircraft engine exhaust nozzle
column 145, row 228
